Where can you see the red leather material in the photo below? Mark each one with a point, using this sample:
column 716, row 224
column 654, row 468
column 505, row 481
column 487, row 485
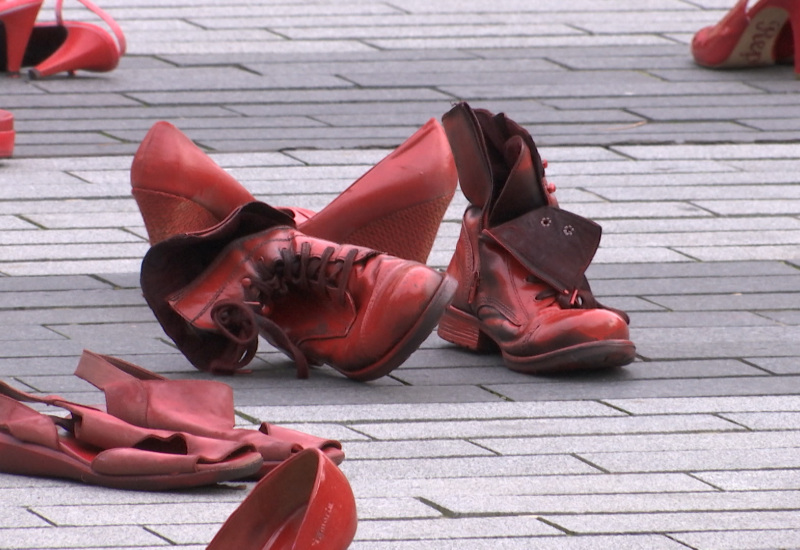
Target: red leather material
column 172, row 264
column 520, row 260
column 101, row 449
column 304, row 504
column 321, row 302
column 200, row 407
column 766, row 34
column 554, row 245
column 17, row 17
column 168, row 162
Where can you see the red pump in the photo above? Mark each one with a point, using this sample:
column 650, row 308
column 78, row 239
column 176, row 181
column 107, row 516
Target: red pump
column 58, row 46
column 766, row 34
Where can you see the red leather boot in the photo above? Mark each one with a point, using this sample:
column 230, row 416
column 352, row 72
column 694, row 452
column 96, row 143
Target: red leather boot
column 396, row 207
column 357, row 310
column 520, row 260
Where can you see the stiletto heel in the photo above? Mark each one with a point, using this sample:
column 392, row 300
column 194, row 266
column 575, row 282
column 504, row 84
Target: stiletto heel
column 17, row 18
column 762, row 36
column 68, row 46
column 6, row 134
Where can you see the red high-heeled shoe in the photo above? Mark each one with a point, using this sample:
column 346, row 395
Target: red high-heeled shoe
column 68, row 46
column 766, row 34
column 396, row 207
column 17, row 18
column 6, row 134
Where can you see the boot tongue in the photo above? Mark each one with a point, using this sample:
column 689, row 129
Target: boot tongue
column 523, row 189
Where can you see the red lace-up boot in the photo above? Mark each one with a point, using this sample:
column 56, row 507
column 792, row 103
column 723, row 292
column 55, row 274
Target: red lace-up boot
column 355, row 309
column 520, row 260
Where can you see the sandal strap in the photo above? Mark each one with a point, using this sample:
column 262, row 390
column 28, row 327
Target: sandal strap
column 97, row 10
column 103, row 370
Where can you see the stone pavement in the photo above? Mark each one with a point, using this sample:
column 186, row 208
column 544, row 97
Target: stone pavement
column 692, row 173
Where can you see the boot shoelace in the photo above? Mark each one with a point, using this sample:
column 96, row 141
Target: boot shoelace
column 579, row 298
column 241, row 322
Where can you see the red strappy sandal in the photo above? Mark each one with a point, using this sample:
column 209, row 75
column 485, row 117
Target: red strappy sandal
column 96, row 448
column 69, row 46
column 201, row 407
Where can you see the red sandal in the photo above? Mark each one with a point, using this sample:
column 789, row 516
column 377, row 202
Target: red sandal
column 200, row 407
column 179, row 189
column 99, row 449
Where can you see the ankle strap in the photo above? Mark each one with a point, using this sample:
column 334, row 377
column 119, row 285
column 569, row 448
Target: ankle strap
column 112, row 24
column 102, row 370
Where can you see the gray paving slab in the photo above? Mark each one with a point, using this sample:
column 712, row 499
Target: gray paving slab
column 691, row 172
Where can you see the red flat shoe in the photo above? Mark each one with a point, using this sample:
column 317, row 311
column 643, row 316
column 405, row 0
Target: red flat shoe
column 68, row 46
column 179, row 190
column 6, row 134
column 304, row 503
column 99, row 449
column 766, row 34
column 17, row 18
column 199, row 407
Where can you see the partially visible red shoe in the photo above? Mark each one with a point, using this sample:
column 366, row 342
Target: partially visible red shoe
column 396, row 207
column 303, row 504
column 200, row 407
column 6, row 134
column 766, row 34
column 17, row 18
column 69, row 46
column 360, row 311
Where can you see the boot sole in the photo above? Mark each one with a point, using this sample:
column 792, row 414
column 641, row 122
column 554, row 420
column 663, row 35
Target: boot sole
column 603, row 354
column 414, row 337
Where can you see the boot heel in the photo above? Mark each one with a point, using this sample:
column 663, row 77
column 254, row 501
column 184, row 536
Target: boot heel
column 418, row 224
column 166, row 215
column 463, row 329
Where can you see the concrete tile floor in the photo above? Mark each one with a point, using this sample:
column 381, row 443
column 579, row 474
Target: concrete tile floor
column 693, row 174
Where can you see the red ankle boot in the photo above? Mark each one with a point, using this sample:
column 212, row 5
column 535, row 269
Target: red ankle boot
column 396, row 207
column 357, row 310
column 520, row 260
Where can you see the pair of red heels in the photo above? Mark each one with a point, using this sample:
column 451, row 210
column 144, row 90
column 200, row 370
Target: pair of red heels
column 58, row 46
column 766, row 34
